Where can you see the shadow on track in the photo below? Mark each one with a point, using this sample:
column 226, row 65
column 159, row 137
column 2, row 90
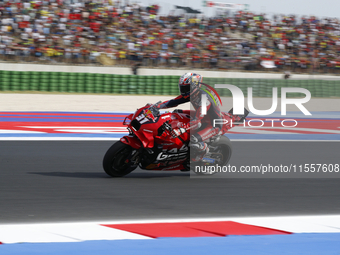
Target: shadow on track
column 96, row 175
column 157, row 175
column 72, row 174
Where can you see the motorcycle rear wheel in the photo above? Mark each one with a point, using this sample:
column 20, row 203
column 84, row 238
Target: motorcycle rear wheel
column 114, row 162
column 225, row 147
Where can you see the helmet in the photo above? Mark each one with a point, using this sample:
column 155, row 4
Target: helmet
column 189, row 83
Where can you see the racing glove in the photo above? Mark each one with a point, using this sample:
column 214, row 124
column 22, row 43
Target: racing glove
column 177, row 132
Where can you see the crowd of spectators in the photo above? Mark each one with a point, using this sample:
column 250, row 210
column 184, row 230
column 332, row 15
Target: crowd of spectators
column 108, row 33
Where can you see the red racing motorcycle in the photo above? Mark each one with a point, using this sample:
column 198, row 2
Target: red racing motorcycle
column 150, row 144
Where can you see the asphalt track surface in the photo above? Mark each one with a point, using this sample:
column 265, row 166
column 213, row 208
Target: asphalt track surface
column 63, row 181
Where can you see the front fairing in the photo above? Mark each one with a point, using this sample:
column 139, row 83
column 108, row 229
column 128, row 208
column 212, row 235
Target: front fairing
column 147, row 129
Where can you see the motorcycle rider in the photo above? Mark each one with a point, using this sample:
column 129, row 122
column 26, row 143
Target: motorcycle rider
column 191, row 91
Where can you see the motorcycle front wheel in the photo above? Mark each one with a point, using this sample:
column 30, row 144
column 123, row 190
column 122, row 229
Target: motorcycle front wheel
column 116, row 163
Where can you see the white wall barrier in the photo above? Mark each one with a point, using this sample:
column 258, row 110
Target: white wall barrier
column 153, row 71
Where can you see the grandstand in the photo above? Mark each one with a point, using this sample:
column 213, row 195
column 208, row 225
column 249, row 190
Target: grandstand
column 112, row 34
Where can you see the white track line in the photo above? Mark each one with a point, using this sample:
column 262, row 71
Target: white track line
column 117, row 139
column 62, row 232
column 57, row 139
column 81, row 231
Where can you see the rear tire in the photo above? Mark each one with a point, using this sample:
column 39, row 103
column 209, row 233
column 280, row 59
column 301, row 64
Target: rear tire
column 225, row 146
column 114, row 160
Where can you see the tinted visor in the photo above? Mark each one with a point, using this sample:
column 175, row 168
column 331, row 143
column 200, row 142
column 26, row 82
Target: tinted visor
column 184, row 89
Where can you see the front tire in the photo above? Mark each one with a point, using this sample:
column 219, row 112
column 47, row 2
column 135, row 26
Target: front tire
column 114, row 162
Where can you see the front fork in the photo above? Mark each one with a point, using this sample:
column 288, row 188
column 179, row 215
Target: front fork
column 134, row 159
column 135, row 143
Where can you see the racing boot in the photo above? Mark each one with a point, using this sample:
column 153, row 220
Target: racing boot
column 201, row 148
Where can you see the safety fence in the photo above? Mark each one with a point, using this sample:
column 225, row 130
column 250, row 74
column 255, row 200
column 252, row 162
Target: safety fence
column 150, row 85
